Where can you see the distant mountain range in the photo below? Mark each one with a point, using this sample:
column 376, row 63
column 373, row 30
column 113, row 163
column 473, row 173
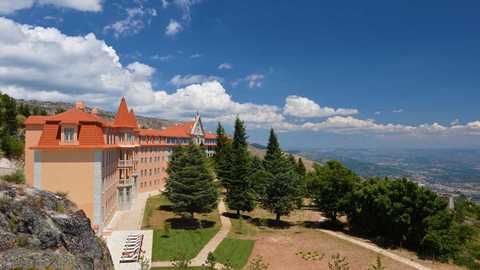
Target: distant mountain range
column 444, row 170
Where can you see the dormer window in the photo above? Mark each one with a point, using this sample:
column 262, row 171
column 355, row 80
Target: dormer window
column 68, row 134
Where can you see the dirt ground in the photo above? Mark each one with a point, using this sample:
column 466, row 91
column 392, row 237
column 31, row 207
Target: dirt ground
column 286, row 248
column 283, row 249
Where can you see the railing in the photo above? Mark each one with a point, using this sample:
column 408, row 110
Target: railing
column 126, row 163
column 126, row 182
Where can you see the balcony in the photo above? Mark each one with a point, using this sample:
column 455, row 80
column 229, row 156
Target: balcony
column 126, row 182
column 126, row 163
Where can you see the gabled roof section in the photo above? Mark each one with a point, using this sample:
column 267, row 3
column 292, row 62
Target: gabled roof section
column 74, row 116
column 197, row 128
column 124, row 118
column 181, row 130
column 209, row 135
column 36, row 119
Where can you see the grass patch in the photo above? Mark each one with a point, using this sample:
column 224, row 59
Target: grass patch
column 189, row 242
column 185, row 235
column 234, row 251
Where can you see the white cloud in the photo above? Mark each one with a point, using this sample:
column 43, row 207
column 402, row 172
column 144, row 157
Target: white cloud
column 133, row 23
column 179, row 80
column 196, row 55
column 163, row 58
column 378, row 113
column 185, row 6
column 304, row 107
column 173, row 28
column 225, row 66
column 10, row 6
column 398, row 111
column 255, row 80
column 42, row 63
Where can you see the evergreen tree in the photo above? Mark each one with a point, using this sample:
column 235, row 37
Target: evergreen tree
column 223, row 156
column 8, row 114
column 190, row 184
column 240, row 193
column 281, row 192
column 273, row 155
column 301, row 170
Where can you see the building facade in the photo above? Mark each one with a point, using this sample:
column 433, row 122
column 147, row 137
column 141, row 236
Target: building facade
column 103, row 164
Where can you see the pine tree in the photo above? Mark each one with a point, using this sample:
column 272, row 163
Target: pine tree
column 281, row 184
column 240, row 192
column 223, row 156
column 190, row 184
column 273, row 154
column 301, row 170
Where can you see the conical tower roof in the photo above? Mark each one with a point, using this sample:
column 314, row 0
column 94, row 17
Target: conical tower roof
column 124, row 118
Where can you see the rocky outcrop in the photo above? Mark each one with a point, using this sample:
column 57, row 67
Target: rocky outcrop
column 44, row 230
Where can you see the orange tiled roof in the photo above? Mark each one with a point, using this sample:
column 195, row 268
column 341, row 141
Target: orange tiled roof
column 90, row 135
column 149, row 132
column 50, row 135
column 36, row 120
column 180, row 130
column 124, row 118
column 209, row 135
column 74, row 116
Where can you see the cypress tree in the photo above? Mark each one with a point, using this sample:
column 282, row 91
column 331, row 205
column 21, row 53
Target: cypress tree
column 240, row 192
column 190, row 184
column 281, row 184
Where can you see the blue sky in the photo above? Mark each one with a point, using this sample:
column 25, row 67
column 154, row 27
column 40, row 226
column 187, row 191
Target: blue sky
column 323, row 73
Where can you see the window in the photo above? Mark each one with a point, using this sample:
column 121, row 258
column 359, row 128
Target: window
column 68, row 134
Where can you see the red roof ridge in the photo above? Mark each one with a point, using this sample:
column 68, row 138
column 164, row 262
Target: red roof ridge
column 125, row 118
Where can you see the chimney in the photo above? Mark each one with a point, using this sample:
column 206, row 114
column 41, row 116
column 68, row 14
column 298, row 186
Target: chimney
column 80, row 105
column 94, row 111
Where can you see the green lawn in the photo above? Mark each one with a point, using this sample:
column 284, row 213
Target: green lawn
column 185, row 236
column 234, row 251
column 188, row 242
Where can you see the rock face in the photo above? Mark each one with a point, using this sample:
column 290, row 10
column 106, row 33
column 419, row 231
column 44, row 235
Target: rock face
column 43, row 230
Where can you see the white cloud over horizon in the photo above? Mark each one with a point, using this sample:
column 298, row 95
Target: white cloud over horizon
column 304, row 107
column 10, row 6
column 45, row 64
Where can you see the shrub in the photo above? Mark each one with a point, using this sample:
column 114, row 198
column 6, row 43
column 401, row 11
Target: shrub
column 258, row 264
column 338, row 263
column 16, row 178
column 11, row 146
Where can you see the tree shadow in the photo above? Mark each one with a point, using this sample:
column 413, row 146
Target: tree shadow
column 185, row 223
column 260, row 222
column 167, row 208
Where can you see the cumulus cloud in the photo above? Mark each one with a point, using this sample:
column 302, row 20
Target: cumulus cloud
column 225, row 66
column 173, row 28
column 163, row 58
column 196, row 55
column 10, row 6
column 133, row 23
column 398, row 111
column 304, row 107
column 255, row 80
column 45, row 64
column 179, row 80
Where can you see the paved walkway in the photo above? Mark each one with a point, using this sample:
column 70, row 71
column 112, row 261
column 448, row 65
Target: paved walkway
column 131, row 219
column 201, row 257
column 377, row 249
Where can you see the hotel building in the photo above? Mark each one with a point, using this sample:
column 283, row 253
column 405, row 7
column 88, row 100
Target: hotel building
column 103, row 164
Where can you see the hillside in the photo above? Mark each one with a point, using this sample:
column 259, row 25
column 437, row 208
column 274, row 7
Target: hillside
column 259, row 151
column 43, row 230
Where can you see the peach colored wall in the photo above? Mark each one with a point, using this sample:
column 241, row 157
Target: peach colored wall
column 32, row 136
column 110, row 182
column 70, row 171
